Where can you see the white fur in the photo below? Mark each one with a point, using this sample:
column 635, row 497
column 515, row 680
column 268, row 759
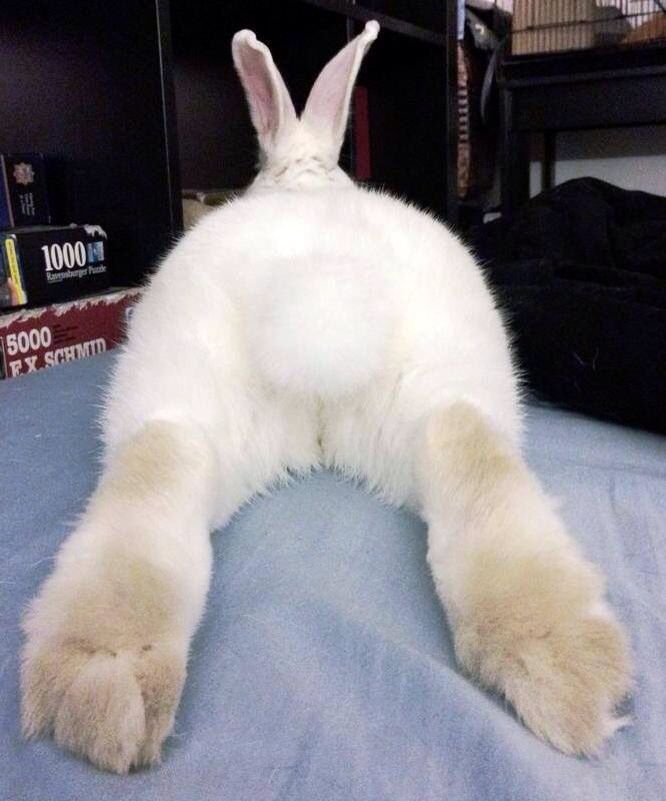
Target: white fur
column 310, row 322
column 379, row 317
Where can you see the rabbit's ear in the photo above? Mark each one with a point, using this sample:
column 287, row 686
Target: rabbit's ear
column 271, row 108
column 327, row 108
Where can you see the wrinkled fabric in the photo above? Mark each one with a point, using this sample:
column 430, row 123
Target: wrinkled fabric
column 590, row 222
column 323, row 669
column 581, row 274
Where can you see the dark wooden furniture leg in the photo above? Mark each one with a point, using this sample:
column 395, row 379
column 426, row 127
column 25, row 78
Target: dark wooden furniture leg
column 515, row 159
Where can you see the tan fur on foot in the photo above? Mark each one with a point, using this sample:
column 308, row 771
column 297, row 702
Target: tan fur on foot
column 104, row 661
column 527, row 609
column 104, row 665
column 115, row 708
column 530, row 630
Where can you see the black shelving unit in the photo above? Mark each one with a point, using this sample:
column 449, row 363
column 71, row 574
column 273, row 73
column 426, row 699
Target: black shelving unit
column 579, row 90
column 134, row 100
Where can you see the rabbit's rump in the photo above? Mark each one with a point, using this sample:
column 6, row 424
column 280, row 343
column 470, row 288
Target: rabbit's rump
column 323, row 326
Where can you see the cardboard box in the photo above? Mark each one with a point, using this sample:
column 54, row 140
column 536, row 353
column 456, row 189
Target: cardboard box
column 37, row 338
column 199, row 202
column 48, row 264
column 545, row 26
column 23, row 196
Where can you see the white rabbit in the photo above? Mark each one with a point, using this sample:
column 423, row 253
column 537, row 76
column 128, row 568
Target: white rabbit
column 310, row 323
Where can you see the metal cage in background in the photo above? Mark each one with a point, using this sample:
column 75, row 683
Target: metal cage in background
column 550, row 26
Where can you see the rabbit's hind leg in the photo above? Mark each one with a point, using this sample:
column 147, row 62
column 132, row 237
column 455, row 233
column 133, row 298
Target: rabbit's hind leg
column 108, row 635
column 527, row 610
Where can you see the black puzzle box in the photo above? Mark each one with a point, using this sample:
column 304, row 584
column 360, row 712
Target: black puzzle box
column 23, row 193
column 48, row 264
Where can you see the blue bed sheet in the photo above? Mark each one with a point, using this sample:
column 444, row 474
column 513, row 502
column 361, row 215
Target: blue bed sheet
column 323, row 669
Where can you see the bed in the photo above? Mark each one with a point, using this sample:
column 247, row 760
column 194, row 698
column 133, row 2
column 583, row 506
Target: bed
column 323, row 668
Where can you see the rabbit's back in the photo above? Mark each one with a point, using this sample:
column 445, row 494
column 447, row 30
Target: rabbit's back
column 326, row 294
column 333, row 286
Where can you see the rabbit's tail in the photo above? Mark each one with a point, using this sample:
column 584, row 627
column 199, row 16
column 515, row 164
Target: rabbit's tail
column 324, row 330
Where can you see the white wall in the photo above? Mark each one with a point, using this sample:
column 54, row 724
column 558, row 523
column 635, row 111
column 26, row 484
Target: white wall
column 633, row 158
